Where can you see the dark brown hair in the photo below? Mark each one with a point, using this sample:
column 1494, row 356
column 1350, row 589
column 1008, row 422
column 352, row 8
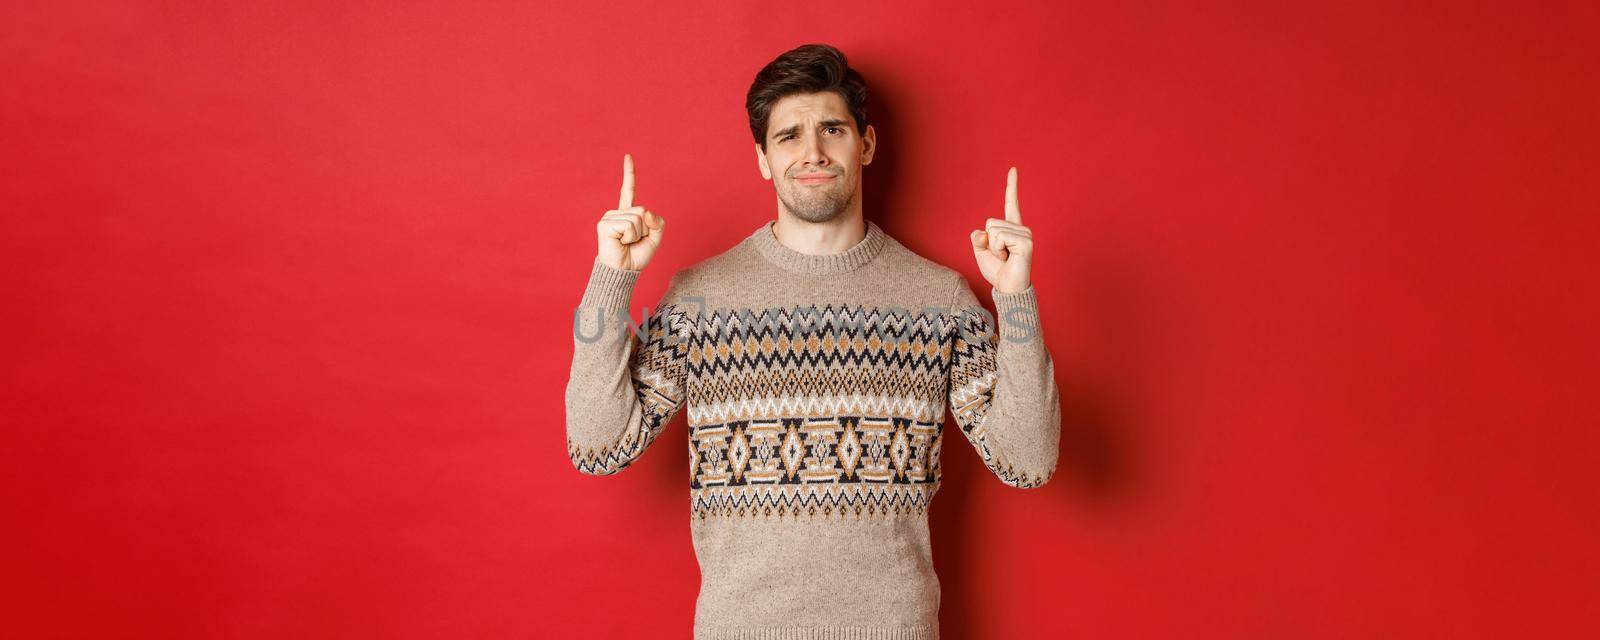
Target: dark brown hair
column 808, row 68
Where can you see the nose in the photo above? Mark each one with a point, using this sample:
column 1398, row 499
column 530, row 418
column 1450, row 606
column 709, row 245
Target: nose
column 814, row 156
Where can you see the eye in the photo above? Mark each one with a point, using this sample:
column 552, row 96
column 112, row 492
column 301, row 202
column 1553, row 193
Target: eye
column 836, row 129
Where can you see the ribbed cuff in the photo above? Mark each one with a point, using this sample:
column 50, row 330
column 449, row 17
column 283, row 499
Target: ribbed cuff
column 609, row 287
column 1017, row 326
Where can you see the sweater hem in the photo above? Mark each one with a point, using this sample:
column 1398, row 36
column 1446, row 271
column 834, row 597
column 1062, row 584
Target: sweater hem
column 817, row 633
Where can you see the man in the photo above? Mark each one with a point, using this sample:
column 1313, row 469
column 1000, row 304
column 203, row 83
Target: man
column 816, row 357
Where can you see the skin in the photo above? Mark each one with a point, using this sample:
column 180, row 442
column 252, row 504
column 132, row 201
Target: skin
column 809, row 134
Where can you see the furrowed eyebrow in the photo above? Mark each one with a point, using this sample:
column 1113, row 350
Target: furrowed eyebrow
column 831, row 122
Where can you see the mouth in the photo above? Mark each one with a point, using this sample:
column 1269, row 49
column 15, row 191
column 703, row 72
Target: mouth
column 818, row 178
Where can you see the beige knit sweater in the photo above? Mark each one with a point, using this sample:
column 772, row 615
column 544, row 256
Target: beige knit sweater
column 816, row 387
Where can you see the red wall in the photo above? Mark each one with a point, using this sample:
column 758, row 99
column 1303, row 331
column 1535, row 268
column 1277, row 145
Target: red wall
column 288, row 292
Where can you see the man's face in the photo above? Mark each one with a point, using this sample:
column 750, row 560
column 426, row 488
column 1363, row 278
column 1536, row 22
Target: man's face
column 814, row 154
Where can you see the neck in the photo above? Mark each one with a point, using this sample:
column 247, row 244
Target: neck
column 868, row 241
column 820, row 238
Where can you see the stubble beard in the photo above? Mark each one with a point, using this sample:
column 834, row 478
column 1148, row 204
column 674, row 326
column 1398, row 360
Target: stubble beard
column 816, row 205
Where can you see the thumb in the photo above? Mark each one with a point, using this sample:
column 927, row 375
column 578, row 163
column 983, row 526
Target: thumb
column 980, row 240
column 656, row 224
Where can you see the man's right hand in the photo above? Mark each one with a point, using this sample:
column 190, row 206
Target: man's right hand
column 628, row 235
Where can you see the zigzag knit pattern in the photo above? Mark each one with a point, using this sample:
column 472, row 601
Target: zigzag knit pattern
column 802, row 411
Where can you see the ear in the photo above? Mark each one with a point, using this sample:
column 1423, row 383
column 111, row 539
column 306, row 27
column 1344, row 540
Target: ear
column 761, row 162
column 869, row 144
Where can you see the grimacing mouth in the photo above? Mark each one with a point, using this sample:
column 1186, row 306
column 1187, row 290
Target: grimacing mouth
column 834, row 174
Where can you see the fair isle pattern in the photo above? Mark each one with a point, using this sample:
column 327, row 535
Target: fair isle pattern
column 658, row 380
column 973, row 372
column 831, row 410
column 821, row 466
column 862, row 391
column 810, row 362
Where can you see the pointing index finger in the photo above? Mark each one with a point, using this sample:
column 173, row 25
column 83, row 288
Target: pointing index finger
column 626, row 199
column 1013, row 213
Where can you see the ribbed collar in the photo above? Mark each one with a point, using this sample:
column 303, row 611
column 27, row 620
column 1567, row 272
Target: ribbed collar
column 850, row 259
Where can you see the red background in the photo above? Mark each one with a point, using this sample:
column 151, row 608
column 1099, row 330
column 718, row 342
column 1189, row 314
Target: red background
column 288, row 292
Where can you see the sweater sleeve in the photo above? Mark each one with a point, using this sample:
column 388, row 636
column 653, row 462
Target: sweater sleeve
column 624, row 388
column 1002, row 386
